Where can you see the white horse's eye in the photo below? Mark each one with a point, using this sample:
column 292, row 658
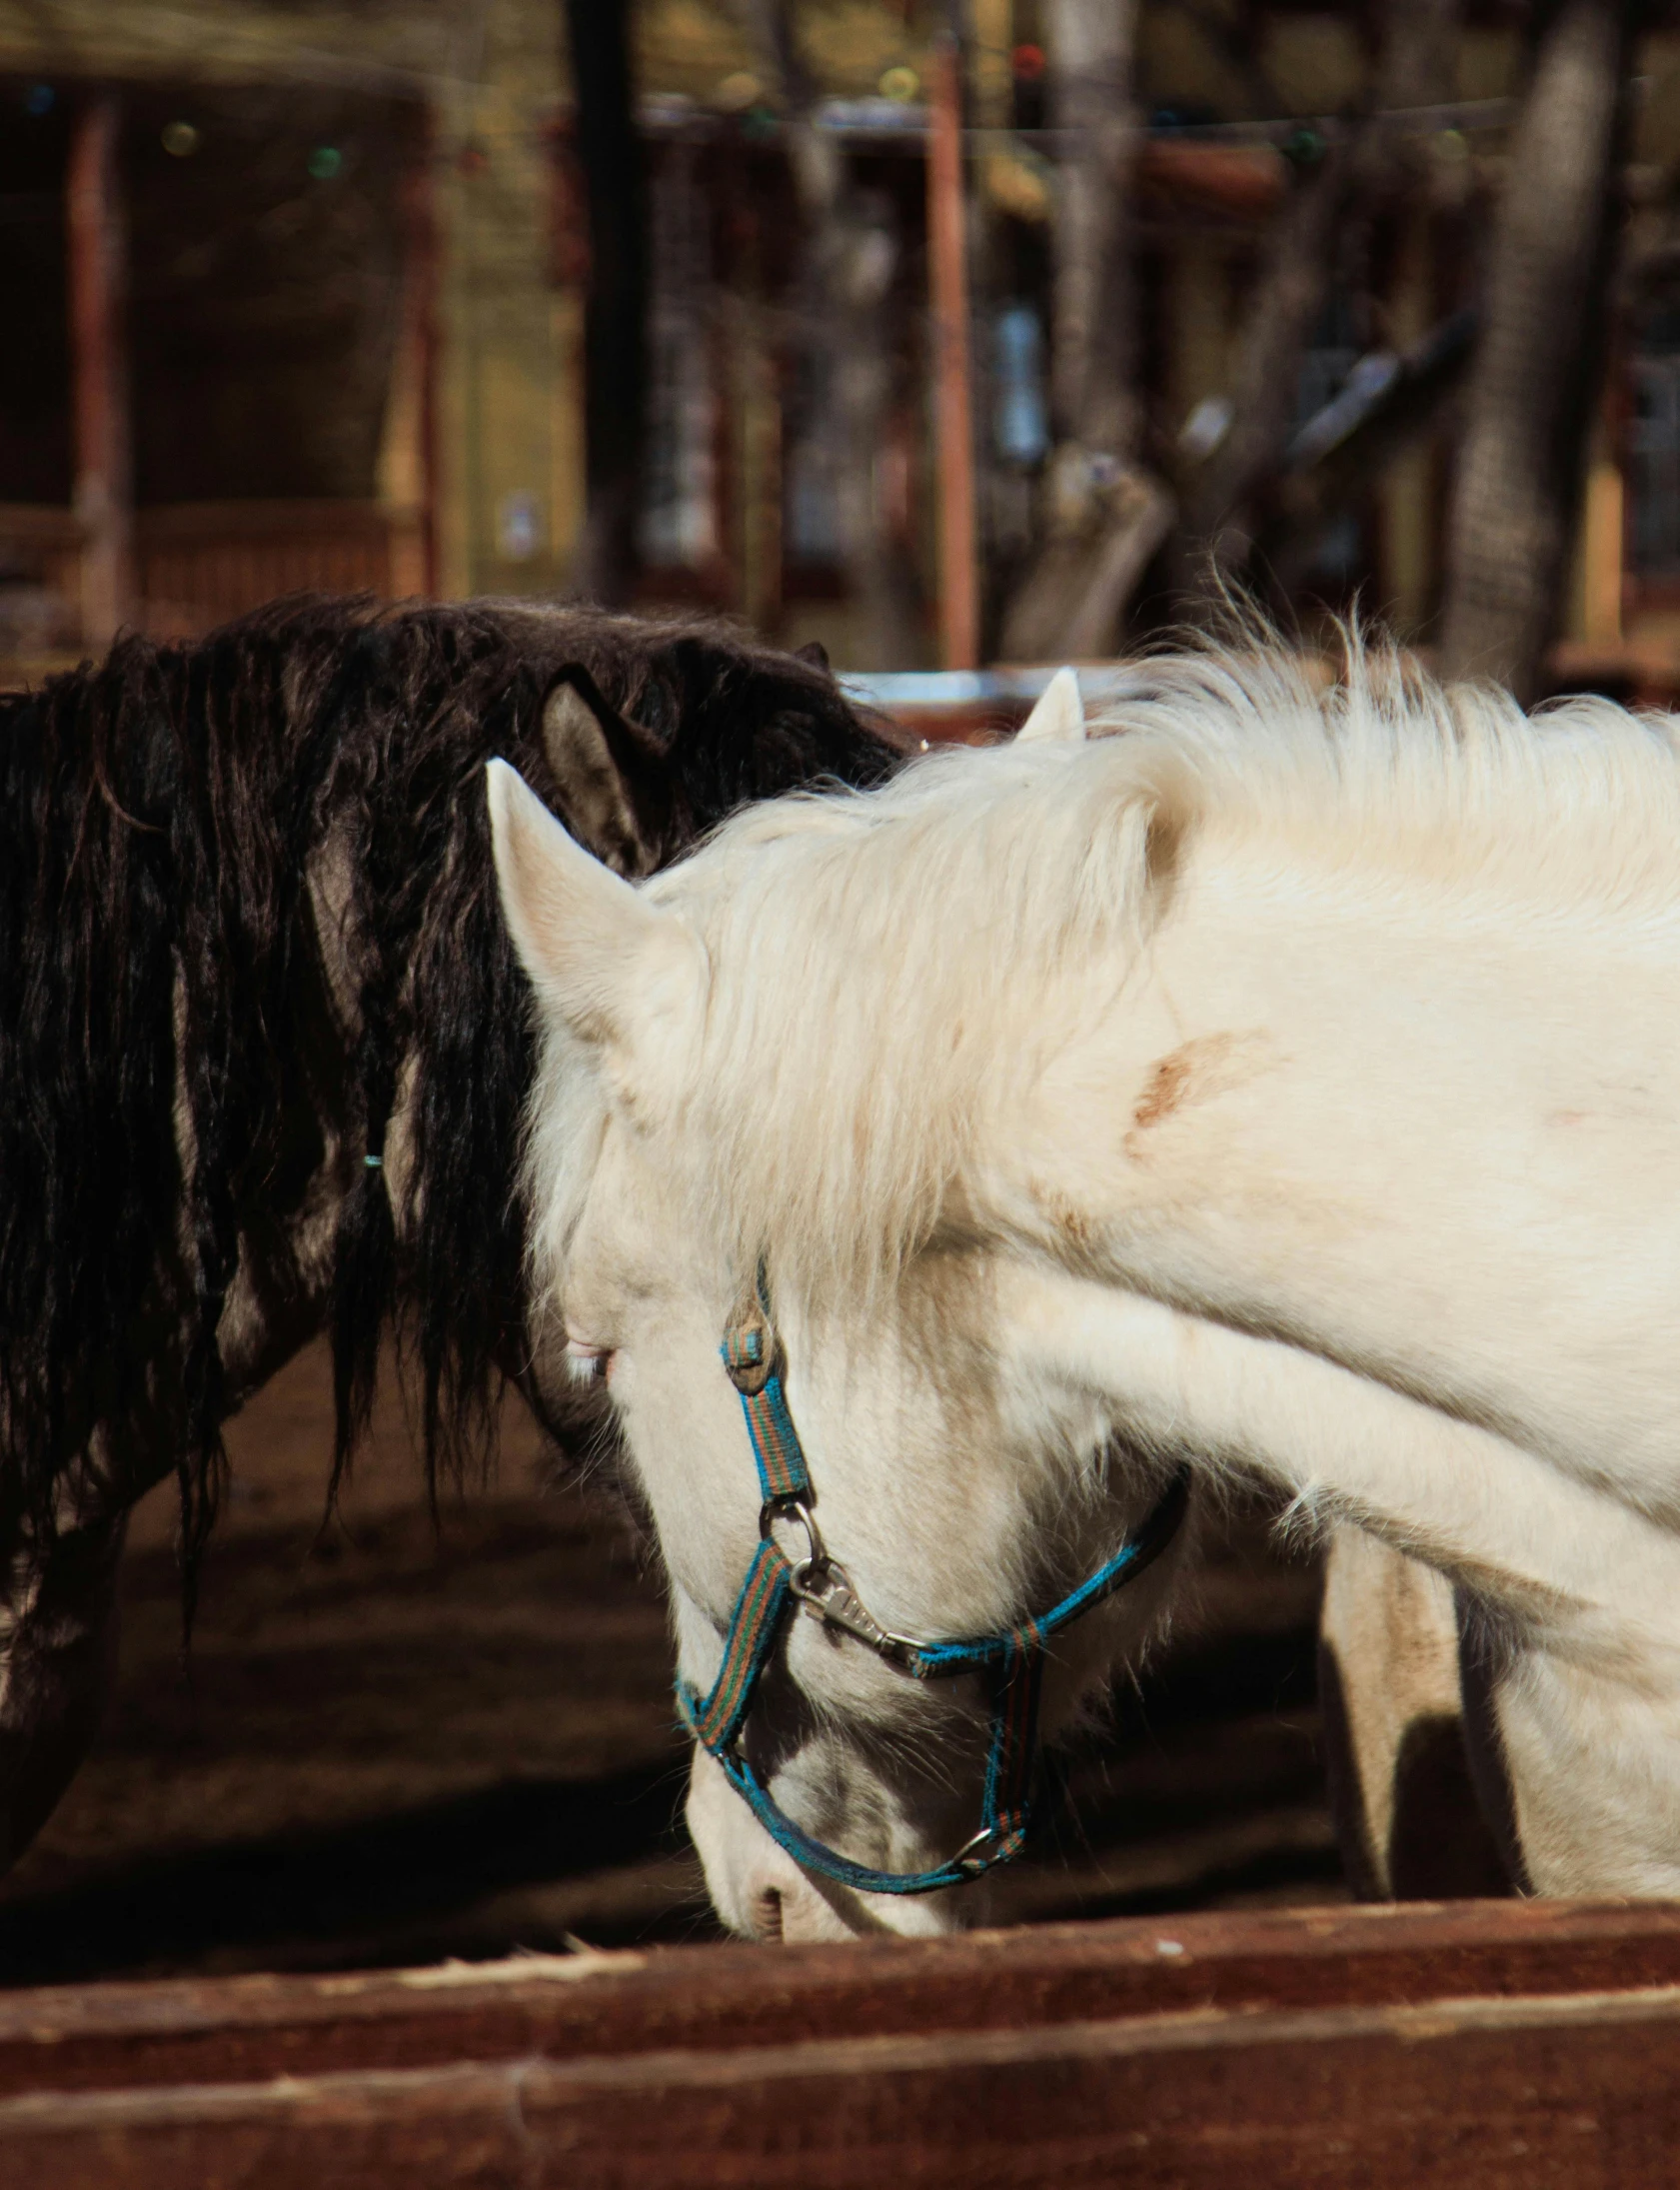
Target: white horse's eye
column 587, row 1364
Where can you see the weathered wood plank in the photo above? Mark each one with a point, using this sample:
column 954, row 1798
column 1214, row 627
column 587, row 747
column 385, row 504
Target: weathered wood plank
column 1575, row 2091
column 720, row 1999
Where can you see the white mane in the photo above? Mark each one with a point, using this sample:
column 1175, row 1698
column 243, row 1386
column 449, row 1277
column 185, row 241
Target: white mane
column 887, row 967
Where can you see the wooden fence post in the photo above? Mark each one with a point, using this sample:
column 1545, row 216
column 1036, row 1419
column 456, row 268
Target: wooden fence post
column 954, row 405
column 104, row 475
column 408, row 464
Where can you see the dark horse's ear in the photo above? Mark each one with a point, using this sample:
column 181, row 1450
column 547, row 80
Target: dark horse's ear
column 611, row 775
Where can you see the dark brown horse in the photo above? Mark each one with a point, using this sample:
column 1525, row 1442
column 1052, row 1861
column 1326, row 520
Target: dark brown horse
column 263, row 1046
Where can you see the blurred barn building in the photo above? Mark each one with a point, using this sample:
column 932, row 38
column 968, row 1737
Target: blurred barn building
column 295, row 297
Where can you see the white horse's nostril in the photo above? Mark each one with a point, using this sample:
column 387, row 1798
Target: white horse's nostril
column 761, row 1892
column 755, row 1886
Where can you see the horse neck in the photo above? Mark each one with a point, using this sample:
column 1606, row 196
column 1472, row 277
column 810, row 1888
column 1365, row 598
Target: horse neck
column 1374, row 1169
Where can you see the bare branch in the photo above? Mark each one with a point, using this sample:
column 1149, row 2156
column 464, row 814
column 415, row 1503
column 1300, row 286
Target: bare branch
column 1389, row 404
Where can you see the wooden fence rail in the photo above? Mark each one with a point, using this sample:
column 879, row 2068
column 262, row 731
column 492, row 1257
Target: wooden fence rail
column 191, row 566
column 1476, row 2044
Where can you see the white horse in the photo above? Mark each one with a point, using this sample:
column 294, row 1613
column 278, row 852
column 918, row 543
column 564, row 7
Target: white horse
column 1289, row 1085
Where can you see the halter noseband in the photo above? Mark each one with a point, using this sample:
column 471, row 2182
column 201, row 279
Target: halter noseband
column 775, row 1584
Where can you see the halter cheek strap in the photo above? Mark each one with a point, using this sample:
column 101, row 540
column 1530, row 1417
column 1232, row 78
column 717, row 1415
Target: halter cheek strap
column 1012, row 1662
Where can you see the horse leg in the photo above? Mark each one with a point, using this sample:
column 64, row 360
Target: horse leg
column 1403, row 1792
column 1586, row 1753
column 58, row 1645
column 58, row 1607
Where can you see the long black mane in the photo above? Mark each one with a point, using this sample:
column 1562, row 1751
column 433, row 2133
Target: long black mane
column 160, row 817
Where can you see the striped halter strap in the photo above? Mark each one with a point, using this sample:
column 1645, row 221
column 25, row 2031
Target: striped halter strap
column 1012, row 1662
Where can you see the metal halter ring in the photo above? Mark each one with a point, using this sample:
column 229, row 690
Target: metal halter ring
column 972, row 1856
column 794, row 1509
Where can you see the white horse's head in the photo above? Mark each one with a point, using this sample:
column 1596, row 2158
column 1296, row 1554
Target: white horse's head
column 961, row 1480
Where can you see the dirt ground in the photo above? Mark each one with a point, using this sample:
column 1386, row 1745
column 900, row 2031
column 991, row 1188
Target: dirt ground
column 393, row 1743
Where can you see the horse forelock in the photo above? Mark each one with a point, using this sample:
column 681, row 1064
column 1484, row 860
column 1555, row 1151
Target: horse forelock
column 888, row 972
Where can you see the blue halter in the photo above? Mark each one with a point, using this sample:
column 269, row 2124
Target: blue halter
column 775, row 1584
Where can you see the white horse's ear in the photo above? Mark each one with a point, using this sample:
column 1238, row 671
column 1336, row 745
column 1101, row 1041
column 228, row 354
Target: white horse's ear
column 1059, row 715
column 583, row 935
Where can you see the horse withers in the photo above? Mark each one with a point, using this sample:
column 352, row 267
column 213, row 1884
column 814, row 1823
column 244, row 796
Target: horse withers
column 938, row 1180
column 266, row 1051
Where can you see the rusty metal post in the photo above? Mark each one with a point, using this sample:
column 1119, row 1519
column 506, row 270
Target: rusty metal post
column 104, row 479
column 953, row 401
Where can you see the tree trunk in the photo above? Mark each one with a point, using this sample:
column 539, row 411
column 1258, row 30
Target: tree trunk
column 851, row 257
column 616, row 315
column 1093, row 399
column 1105, row 516
column 1536, row 374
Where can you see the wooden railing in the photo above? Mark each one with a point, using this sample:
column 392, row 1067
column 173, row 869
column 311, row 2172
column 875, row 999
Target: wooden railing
column 41, row 591
column 1475, row 2043
column 198, row 564
column 203, row 562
